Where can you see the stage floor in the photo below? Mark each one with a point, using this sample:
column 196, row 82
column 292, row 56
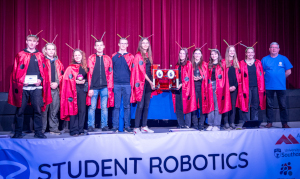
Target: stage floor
column 276, row 125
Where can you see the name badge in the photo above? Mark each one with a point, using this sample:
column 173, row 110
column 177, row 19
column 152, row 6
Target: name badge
column 31, row 79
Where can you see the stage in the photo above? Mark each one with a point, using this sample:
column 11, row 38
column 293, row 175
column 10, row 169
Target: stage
column 245, row 153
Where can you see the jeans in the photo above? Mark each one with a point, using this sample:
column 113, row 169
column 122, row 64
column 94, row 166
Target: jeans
column 53, row 110
column 119, row 91
column 281, row 97
column 104, row 111
column 214, row 117
column 179, row 111
column 199, row 124
column 36, row 100
column 252, row 113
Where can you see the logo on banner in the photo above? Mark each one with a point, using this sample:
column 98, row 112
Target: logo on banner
column 286, row 169
column 287, row 140
column 277, row 153
column 13, row 165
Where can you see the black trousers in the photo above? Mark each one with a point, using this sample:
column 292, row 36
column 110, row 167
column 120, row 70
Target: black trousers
column 77, row 121
column 231, row 114
column 143, row 106
column 199, row 123
column 36, row 100
column 252, row 113
column 179, row 111
column 281, row 97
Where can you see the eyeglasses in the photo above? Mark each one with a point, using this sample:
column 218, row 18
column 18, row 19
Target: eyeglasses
column 274, row 47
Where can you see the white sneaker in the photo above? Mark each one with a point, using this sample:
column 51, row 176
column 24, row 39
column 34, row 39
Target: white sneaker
column 146, row 129
column 215, row 128
column 136, row 131
column 209, row 128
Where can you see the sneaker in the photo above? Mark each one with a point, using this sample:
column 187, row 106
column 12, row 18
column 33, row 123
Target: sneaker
column 215, row 128
column 209, row 128
column 17, row 136
column 226, row 126
column 105, row 128
column 56, row 132
column 114, row 130
column 232, row 125
column 74, row 135
column 128, row 130
column 137, row 131
column 90, row 129
column 40, row 135
column 146, row 129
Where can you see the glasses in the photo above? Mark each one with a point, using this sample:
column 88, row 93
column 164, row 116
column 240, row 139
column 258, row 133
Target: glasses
column 274, row 47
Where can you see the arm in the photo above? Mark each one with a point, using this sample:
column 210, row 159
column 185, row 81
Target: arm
column 288, row 72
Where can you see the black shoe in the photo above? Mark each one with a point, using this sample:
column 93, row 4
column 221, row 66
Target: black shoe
column 17, row 136
column 81, row 133
column 114, row 130
column 128, row 130
column 40, row 135
column 196, row 127
column 90, row 129
column 184, row 127
column 105, row 128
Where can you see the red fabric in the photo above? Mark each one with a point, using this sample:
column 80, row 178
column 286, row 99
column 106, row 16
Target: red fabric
column 243, row 88
column 129, row 59
column 204, row 90
column 109, row 78
column 222, row 89
column 184, row 21
column 18, row 74
column 68, row 99
column 188, row 89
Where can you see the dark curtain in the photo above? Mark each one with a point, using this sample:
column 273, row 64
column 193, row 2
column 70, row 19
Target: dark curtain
column 184, row 21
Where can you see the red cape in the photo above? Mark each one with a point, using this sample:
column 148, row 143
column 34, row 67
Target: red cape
column 188, row 89
column 137, row 80
column 243, row 88
column 17, row 78
column 204, row 90
column 222, row 90
column 109, row 78
column 68, row 99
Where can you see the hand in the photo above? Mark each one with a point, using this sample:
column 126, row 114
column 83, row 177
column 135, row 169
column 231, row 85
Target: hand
column 38, row 82
column 196, row 78
column 179, row 86
column 53, row 85
column 91, row 93
column 200, row 78
column 152, row 85
column 80, row 82
column 232, row 88
column 25, row 84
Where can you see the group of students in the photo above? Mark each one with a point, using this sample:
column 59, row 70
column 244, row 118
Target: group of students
column 216, row 87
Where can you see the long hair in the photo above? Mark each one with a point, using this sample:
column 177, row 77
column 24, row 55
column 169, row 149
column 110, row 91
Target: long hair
column 235, row 60
column 83, row 61
column 210, row 64
column 186, row 57
column 195, row 66
column 45, row 48
column 141, row 50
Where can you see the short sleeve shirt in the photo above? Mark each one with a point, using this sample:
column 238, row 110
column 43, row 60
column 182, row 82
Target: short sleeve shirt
column 274, row 69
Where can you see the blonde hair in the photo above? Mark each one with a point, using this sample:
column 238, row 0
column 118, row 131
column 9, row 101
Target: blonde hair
column 45, row 48
column 36, row 37
column 235, row 60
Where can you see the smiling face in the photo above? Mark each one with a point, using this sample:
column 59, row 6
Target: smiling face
column 182, row 55
column 145, row 44
column 197, row 56
column 99, row 46
column 123, row 44
column 31, row 42
column 274, row 50
column 50, row 50
column 231, row 52
column 214, row 55
column 77, row 56
column 250, row 53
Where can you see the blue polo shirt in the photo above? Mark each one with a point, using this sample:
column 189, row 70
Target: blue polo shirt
column 274, row 69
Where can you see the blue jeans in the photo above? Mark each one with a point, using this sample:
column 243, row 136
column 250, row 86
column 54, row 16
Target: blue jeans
column 104, row 112
column 121, row 91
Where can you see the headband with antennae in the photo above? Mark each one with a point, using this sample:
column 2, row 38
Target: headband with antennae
column 191, row 46
column 70, row 47
column 202, row 46
column 237, row 43
column 30, row 32
column 94, row 37
column 123, row 37
column 254, row 44
column 127, row 36
column 102, row 36
column 149, row 36
column 54, row 38
column 45, row 40
column 78, row 43
column 140, row 36
column 38, row 32
column 226, row 42
column 243, row 45
column 145, row 37
column 119, row 36
column 178, row 45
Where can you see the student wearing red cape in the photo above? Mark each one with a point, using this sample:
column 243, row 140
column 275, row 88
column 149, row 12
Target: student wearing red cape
column 232, row 70
column 73, row 93
column 200, row 68
column 100, row 85
column 56, row 71
column 218, row 90
column 184, row 99
column 29, row 62
column 141, row 84
column 122, row 67
column 251, row 90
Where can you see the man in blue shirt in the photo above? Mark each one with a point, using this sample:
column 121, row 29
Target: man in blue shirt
column 277, row 68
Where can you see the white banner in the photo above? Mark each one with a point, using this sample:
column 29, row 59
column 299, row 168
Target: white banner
column 263, row 153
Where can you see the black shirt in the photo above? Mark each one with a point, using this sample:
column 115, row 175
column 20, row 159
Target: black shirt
column 252, row 75
column 232, row 77
column 199, row 82
column 83, row 73
column 52, row 70
column 148, row 69
column 179, row 72
column 213, row 74
column 99, row 76
column 121, row 70
column 33, row 67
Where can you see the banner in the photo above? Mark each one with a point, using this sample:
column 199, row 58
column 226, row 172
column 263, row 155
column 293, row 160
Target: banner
column 262, row 153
